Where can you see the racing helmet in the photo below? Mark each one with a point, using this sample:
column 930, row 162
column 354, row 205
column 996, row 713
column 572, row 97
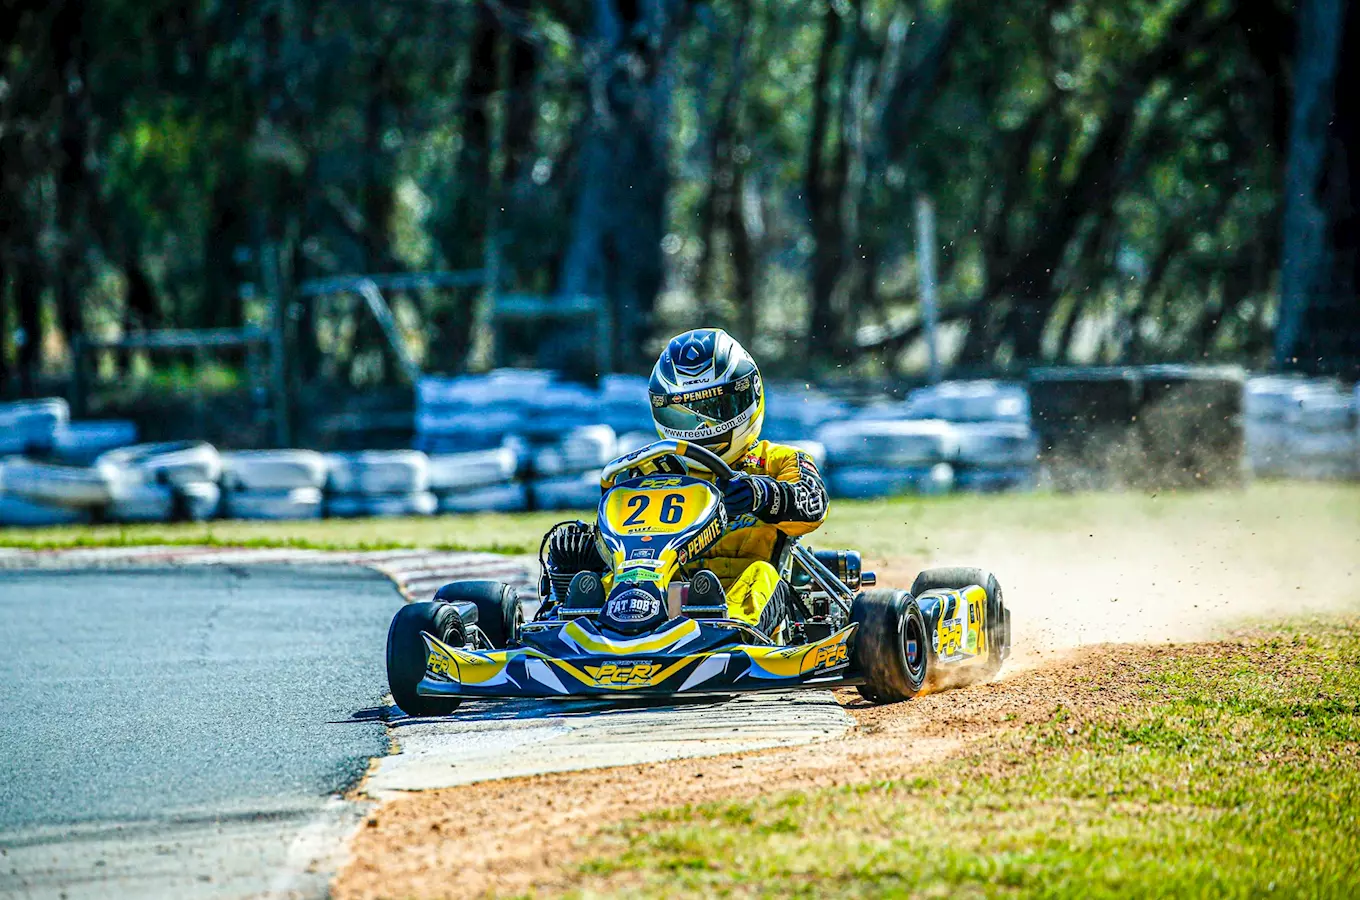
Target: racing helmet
column 706, row 389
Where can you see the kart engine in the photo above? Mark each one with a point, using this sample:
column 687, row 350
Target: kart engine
column 571, row 548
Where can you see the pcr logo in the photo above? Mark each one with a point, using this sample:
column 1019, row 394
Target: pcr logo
column 624, row 674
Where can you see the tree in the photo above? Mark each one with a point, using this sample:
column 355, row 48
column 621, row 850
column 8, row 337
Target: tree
column 1319, row 321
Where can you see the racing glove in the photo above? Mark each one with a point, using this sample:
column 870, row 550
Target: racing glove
column 749, row 494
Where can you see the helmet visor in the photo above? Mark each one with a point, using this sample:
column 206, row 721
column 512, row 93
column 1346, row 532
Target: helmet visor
column 707, row 411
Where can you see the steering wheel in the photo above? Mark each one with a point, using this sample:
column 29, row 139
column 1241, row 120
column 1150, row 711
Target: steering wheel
column 722, row 472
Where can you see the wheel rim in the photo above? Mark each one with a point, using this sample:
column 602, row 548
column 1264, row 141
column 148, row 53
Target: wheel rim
column 914, row 647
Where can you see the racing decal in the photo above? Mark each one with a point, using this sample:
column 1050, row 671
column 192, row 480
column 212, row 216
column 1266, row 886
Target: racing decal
column 803, row 500
column 695, row 546
column 633, row 606
column 660, row 482
column 809, row 493
column 830, row 657
column 669, row 510
column 640, row 673
column 637, row 574
column 704, row 394
column 961, row 633
column 712, row 430
column 812, row 659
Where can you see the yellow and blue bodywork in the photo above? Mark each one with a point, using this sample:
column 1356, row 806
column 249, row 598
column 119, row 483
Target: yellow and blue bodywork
column 649, row 529
column 683, row 656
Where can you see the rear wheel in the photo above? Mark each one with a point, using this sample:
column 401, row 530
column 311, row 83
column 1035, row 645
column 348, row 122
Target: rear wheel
column 406, row 654
column 891, row 649
column 498, row 609
column 998, row 624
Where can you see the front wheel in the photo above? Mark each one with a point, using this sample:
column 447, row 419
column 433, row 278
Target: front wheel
column 406, row 654
column 499, row 614
column 891, row 649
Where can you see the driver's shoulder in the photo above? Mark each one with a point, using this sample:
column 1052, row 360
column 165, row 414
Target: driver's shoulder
column 766, row 455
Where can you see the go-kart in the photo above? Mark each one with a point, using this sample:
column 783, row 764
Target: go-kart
column 626, row 609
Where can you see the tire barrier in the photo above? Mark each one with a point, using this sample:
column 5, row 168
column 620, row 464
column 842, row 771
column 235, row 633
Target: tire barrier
column 513, row 497
column 32, row 426
column 515, row 440
column 73, row 487
column 567, row 492
column 17, row 512
column 583, row 449
column 273, row 470
column 366, row 506
column 1297, row 427
column 378, row 472
column 873, row 483
column 299, row 503
column 80, row 443
column 1001, row 444
column 888, row 443
column 141, row 501
column 173, row 463
column 454, row 472
column 970, row 401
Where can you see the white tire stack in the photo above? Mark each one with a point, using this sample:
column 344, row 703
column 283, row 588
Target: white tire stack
column 478, row 481
column 995, row 456
column 163, row 481
column 473, row 412
column 32, row 426
column 37, row 494
column 568, row 472
column 1298, row 427
column 273, row 484
column 1265, row 406
column 379, row 483
column 1322, row 433
column 970, row 401
column 882, row 458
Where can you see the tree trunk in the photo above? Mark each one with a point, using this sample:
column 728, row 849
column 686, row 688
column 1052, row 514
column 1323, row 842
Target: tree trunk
column 823, row 184
column 464, row 235
column 723, row 200
column 1319, row 312
column 521, row 109
column 4, row 317
column 27, row 283
column 615, row 248
column 69, row 50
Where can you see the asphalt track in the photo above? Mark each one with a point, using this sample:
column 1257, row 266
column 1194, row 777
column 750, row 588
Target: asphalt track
column 189, row 731
column 185, row 732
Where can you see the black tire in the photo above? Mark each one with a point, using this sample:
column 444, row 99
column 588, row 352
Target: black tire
column 498, row 609
column 956, row 578
column 406, row 654
column 892, row 650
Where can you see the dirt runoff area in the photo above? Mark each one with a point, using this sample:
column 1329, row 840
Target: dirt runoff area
column 1092, row 606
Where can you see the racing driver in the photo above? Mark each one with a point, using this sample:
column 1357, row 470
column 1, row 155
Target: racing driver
column 706, row 389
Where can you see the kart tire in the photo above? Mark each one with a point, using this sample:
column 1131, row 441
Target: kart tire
column 955, row 578
column 406, row 654
column 499, row 614
column 891, row 648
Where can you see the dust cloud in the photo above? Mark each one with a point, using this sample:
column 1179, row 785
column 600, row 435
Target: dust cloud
column 1154, row 579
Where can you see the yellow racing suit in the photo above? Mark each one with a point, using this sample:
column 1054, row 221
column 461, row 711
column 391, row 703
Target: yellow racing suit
column 746, row 556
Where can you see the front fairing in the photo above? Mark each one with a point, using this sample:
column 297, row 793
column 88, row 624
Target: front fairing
column 683, row 656
column 650, row 526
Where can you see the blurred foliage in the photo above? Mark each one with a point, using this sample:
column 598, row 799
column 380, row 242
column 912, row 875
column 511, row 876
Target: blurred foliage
column 1106, row 177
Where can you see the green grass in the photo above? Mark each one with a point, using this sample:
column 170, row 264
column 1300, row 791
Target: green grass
column 1236, row 774
column 882, row 529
